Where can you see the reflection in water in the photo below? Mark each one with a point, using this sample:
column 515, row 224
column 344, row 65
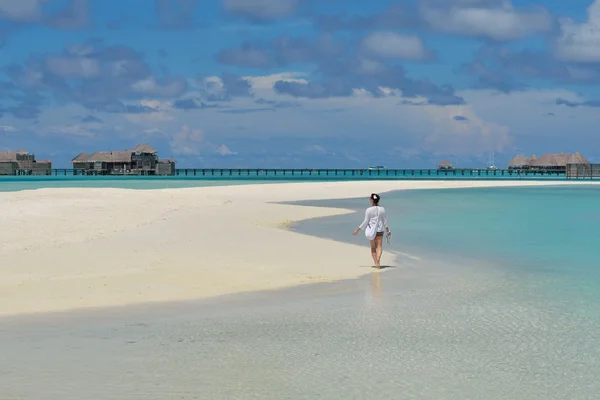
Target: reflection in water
column 374, row 294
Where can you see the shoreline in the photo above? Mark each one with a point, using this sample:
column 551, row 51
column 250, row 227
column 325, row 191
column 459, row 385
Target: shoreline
column 78, row 249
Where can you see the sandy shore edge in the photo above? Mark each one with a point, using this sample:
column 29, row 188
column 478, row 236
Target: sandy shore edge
column 67, row 249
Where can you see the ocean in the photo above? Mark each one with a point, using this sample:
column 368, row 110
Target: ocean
column 495, row 295
column 548, row 234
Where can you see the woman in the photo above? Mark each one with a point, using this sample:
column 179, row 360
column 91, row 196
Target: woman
column 376, row 222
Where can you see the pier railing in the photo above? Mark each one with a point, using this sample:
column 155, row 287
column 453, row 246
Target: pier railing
column 341, row 173
column 582, row 171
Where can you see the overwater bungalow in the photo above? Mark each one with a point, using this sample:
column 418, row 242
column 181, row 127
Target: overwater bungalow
column 445, row 165
column 141, row 160
column 23, row 163
column 547, row 162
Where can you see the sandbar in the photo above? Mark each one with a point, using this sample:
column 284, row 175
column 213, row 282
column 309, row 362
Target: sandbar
column 76, row 248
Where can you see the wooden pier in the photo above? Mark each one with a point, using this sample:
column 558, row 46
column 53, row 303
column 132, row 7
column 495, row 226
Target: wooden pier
column 284, row 174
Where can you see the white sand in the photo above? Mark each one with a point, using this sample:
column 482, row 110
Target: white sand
column 64, row 249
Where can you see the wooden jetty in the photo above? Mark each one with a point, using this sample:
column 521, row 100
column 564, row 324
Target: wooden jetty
column 267, row 173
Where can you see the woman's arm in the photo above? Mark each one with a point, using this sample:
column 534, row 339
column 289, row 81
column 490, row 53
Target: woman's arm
column 364, row 223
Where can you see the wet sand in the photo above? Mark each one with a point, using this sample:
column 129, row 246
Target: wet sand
column 429, row 331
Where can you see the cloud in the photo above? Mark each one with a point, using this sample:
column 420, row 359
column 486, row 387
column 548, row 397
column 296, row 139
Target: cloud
column 505, row 69
column 7, row 129
column 472, row 136
column 284, row 51
column 580, row 42
column 247, row 55
column 192, row 103
column 572, row 104
column 186, row 141
column 101, row 78
column 74, row 15
column 396, row 16
column 89, row 119
column 224, row 88
column 340, row 71
column 21, row 11
column 176, row 14
column 460, row 118
column 390, row 45
column 69, row 130
column 261, row 10
column 225, row 151
column 496, row 20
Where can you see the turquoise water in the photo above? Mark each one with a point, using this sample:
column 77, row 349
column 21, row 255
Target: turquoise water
column 546, row 238
column 16, row 183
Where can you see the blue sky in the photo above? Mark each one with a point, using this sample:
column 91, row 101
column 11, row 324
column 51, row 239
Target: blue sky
column 301, row 83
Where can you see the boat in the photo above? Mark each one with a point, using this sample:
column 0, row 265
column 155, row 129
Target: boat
column 491, row 164
column 376, row 167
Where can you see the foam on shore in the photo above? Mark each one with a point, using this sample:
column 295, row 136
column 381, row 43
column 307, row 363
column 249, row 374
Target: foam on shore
column 63, row 249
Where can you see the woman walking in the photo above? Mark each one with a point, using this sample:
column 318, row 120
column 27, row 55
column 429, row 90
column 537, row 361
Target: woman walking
column 375, row 222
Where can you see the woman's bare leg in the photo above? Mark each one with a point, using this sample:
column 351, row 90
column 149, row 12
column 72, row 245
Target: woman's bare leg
column 374, row 250
column 378, row 251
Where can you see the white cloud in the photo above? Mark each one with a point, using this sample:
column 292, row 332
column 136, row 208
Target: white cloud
column 151, row 87
column 22, row 10
column 315, row 148
column 225, row 151
column 471, row 136
column 500, row 122
column 267, row 81
column 7, row 129
column 502, row 22
column 187, row 141
column 395, row 46
column 580, row 42
column 161, row 113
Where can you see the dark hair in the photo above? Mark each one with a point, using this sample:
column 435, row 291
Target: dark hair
column 375, row 197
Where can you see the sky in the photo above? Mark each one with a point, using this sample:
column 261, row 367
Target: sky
column 301, row 83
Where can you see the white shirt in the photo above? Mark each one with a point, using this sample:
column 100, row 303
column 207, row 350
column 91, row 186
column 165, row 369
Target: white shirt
column 372, row 218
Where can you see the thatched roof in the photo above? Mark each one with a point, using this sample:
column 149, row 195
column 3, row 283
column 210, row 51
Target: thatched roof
column 577, row 158
column 143, row 148
column 81, row 157
column 9, row 156
column 114, row 156
column 561, row 158
column 547, row 160
column 519, row 161
column 445, row 163
column 110, row 157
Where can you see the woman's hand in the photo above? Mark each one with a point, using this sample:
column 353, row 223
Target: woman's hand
column 356, row 231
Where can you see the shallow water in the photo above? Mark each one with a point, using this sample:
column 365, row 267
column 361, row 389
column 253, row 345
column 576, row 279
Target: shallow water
column 448, row 326
column 17, row 183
